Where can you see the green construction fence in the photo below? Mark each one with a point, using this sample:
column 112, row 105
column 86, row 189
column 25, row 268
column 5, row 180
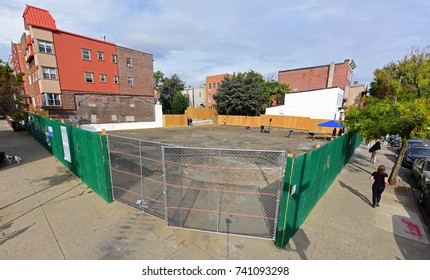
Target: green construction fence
column 88, row 151
column 307, row 178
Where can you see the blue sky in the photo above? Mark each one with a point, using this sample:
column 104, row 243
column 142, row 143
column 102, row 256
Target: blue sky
column 197, row 38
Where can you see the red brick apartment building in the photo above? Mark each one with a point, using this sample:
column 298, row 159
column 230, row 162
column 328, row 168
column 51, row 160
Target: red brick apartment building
column 319, row 77
column 81, row 79
column 212, row 84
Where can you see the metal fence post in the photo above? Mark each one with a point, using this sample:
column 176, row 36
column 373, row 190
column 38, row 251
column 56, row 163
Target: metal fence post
column 163, row 159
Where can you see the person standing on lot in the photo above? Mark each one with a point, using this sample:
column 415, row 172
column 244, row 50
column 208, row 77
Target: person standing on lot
column 376, row 147
column 379, row 178
column 333, row 133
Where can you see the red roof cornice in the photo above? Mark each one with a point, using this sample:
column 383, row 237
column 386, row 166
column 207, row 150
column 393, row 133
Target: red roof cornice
column 85, row 37
column 39, row 18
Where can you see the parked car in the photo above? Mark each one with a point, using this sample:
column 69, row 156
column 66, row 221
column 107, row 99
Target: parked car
column 415, row 142
column 421, row 171
column 414, row 153
column 424, row 199
column 395, row 140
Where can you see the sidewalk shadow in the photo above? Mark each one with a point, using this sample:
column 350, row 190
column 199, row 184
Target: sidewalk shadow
column 355, row 192
column 301, row 243
column 52, row 181
column 4, row 237
column 22, row 144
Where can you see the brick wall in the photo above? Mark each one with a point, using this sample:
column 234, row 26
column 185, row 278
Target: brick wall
column 103, row 108
column 317, row 77
column 141, row 70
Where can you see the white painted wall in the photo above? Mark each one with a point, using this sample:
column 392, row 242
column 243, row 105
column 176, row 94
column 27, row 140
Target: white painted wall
column 128, row 125
column 314, row 104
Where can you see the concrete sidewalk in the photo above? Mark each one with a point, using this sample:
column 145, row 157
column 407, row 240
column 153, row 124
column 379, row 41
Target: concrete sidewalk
column 47, row 213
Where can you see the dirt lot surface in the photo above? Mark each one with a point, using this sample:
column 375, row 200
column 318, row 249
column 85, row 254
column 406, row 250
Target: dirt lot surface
column 230, row 137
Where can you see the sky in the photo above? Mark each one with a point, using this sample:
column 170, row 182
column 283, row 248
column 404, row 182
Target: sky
column 198, row 38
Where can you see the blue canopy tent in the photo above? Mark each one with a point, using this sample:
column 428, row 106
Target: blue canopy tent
column 332, row 123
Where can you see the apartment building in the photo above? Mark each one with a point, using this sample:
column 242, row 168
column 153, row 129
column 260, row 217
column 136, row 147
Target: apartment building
column 212, row 85
column 81, row 79
column 357, row 94
column 196, row 95
column 320, row 77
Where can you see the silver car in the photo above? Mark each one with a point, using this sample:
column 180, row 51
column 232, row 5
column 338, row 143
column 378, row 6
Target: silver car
column 421, row 172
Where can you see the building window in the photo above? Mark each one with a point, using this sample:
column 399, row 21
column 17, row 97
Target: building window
column 86, row 54
column 89, row 77
column 129, row 62
column 51, row 99
column 45, row 47
column 101, row 56
column 115, row 79
column 114, row 58
column 209, row 86
column 103, row 78
column 49, row 73
column 130, row 81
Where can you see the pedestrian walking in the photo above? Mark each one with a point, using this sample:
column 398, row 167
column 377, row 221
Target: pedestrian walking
column 379, row 178
column 373, row 150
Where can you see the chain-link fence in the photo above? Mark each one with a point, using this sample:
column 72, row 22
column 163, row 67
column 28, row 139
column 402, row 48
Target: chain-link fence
column 225, row 191
column 137, row 173
column 217, row 190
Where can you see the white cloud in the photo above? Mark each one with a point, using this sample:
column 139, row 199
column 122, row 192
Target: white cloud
column 194, row 38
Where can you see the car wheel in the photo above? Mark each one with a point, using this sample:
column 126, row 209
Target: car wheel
column 421, row 199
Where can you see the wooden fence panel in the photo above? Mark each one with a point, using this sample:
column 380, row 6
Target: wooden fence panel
column 175, row 120
column 201, row 113
column 299, row 123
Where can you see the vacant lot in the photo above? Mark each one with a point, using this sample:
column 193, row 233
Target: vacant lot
column 229, row 137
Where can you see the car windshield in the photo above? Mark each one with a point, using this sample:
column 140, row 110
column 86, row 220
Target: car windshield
column 420, row 151
column 415, row 143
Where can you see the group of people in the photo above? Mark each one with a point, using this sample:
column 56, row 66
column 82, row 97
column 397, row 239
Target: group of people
column 334, row 132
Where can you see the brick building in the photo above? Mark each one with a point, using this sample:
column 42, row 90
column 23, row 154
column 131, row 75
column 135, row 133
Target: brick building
column 319, row 77
column 212, row 84
column 357, row 94
column 81, row 79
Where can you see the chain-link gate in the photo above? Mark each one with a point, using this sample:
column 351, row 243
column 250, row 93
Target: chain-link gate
column 137, row 174
column 217, row 190
column 225, row 191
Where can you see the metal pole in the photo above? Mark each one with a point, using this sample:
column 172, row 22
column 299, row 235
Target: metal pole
column 219, row 191
column 193, row 96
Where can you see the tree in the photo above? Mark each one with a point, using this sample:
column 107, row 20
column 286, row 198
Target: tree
column 180, row 103
column 399, row 103
column 169, row 88
column 241, row 94
column 11, row 97
column 158, row 79
column 274, row 91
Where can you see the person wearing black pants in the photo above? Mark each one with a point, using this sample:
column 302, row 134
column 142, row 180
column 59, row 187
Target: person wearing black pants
column 379, row 178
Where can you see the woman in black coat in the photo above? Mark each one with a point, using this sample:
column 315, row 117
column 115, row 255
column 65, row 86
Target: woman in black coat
column 376, row 147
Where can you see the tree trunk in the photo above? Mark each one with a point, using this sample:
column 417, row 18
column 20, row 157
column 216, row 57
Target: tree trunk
column 393, row 176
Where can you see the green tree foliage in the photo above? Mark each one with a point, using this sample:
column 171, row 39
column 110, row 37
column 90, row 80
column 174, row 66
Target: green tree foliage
column 11, row 97
column 399, row 103
column 274, row 91
column 180, row 103
column 158, row 79
column 170, row 87
column 241, row 94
